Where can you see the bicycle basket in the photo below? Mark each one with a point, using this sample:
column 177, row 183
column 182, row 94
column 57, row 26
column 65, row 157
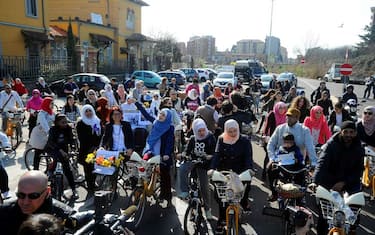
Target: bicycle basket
column 327, row 208
column 226, row 194
column 104, row 162
column 289, row 190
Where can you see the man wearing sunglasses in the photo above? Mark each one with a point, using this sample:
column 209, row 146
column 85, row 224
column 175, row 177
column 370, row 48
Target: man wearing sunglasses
column 33, row 197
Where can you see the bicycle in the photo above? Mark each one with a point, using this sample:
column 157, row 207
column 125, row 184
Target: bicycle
column 341, row 212
column 230, row 196
column 194, row 211
column 102, row 223
column 147, row 186
column 54, row 170
column 290, row 197
column 14, row 127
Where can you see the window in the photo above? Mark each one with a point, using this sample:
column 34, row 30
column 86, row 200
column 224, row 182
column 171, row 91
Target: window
column 130, row 19
column 31, row 8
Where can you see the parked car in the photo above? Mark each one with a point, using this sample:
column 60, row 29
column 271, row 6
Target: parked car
column 179, row 75
column 211, row 73
column 265, row 79
column 190, row 73
column 150, row 78
column 291, row 77
column 203, row 75
column 223, row 78
column 94, row 80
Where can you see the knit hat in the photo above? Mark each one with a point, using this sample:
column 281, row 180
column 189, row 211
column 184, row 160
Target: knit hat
column 293, row 112
column 348, row 125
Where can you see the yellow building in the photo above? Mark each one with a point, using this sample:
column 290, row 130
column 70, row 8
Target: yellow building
column 102, row 24
column 23, row 35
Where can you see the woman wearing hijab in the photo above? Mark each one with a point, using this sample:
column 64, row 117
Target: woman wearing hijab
column 19, row 87
column 274, row 118
column 120, row 94
column 33, row 105
column 318, row 126
column 200, row 145
column 44, row 122
column 192, row 101
column 92, row 99
column 233, row 153
column 43, row 87
column 102, row 111
column 160, row 141
column 89, row 134
column 366, row 127
column 108, row 93
column 118, row 134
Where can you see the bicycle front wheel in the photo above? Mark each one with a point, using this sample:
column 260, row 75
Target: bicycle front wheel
column 194, row 222
column 138, row 199
column 15, row 138
column 44, row 161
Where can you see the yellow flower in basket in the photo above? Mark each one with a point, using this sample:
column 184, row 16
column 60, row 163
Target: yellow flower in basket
column 106, row 163
column 119, row 160
column 90, row 158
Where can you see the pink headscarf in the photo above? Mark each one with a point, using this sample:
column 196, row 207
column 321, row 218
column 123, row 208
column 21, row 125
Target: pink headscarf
column 280, row 117
column 316, row 123
column 34, row 102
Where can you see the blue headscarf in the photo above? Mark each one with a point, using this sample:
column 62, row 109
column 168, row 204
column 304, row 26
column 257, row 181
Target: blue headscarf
column 159, row 128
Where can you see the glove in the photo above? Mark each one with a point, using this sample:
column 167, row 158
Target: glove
column 165, row 158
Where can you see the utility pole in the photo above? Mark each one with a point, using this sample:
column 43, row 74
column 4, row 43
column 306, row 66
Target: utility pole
column 270, row 35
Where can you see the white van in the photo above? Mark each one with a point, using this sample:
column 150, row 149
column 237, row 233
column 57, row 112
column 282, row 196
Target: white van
column 333, row 73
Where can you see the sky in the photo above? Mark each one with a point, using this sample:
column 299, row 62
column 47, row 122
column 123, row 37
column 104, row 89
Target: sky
column 300, row 24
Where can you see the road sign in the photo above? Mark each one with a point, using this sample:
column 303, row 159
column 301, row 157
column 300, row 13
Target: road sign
column 302, row 61
column 346, row 69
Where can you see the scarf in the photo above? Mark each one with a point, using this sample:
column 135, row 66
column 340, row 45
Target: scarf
column 94, row 121
column 45, row 106
column 159, row 128
column 199, row 124
column 369, row 123
column 35, row 101
column 316, row 123
column 193, row 94
column 227, row 139
column 279, row 117
column 121, row 93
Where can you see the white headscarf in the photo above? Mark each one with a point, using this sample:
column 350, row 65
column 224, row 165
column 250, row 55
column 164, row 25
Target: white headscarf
column 231, row 123
column 193, row 94
column 109, row 94
column 94, row 121
column 199, row 124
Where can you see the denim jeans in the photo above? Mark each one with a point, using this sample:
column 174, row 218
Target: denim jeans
column 203, row 179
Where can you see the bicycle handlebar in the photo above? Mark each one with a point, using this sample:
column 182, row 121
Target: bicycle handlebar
column 293, row 172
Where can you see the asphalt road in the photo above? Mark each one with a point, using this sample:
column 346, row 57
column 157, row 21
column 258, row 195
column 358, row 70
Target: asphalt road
column 170, row 221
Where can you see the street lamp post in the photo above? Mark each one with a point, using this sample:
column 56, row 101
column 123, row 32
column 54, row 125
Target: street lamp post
column 270, row 35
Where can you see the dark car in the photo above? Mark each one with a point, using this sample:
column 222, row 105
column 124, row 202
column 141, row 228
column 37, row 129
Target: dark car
column 95, row 82
column 291, row 77
column 180, row 76
column 190, row 73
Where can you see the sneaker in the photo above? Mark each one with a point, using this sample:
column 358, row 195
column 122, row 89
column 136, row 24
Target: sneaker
column 183, row 195
column 7, row 195
column 208, row 214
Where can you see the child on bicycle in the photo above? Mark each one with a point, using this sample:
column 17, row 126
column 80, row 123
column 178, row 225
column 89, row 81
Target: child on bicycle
column 200, row 145
column 288, row 147
column 59, row 138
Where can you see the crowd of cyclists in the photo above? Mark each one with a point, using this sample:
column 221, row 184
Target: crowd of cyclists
column 199, row 121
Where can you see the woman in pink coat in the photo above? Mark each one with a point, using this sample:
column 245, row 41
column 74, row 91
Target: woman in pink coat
column 318, row 126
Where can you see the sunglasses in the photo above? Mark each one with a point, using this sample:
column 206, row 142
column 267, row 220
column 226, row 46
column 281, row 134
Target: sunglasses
column 367, row 113
column 32, row 196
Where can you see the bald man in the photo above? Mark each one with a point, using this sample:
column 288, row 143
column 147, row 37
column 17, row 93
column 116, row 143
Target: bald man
column 33, row 197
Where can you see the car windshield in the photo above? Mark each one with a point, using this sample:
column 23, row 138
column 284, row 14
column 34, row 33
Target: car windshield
column 266, row 78
column 284, row 75
column 225, row 75
column 258, row 70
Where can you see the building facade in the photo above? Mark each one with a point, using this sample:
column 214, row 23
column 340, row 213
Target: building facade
column 201, row 47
